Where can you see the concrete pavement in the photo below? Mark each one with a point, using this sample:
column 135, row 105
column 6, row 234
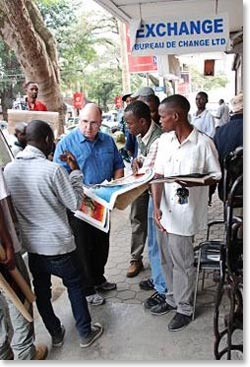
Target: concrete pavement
column 131, row 333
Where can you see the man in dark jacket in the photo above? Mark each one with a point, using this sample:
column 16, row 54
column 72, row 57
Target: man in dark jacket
column 230, row 136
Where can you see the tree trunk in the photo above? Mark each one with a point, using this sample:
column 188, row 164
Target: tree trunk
column 23, row 29
column 7, row 98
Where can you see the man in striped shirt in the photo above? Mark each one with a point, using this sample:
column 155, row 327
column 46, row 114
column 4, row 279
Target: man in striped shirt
column 41, row 191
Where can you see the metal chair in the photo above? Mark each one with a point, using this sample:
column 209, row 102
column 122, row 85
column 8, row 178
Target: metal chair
column 211, row 254
column 208, row 256
column 231, row 283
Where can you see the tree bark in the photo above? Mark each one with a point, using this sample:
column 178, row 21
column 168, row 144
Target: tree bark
column 23, row 29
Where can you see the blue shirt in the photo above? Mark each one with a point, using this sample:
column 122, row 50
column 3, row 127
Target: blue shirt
column 132, row 145
column 98, row 159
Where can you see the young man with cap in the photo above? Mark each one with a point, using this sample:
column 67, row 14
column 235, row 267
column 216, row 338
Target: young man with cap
column 122, row 125
column 143, row 92
column 20, row 138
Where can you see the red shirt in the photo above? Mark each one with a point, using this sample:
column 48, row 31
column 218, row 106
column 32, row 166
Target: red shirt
column 38, row 106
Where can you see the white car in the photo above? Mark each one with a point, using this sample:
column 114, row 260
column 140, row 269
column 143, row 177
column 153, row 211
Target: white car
column 110, row 118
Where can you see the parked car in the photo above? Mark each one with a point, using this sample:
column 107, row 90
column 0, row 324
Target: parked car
column 106, row 129
column 72, row 121
column 110, row 118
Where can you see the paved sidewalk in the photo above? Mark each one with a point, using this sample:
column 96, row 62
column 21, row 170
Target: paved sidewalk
column 131, row 333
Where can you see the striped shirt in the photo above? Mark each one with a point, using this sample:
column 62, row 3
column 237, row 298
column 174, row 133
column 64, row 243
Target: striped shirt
column 41, row 191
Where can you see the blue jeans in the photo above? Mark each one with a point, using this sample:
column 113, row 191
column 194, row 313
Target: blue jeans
column 154, row 253
column 65, row 267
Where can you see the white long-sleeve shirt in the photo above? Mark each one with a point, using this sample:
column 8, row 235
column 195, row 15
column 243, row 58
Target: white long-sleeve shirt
column 204, row 122
column 41, row 191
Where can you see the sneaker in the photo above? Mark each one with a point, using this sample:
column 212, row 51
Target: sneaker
column 161, row 309
column 134, row 268
column 179, row 321
column 154, row 300
column 106, row 286
column 58, row 339
column 146, row 285
column 95, row 333
column 41, row 352
column 95, row 299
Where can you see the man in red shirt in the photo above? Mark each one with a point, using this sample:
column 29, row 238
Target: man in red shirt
column 30, row 102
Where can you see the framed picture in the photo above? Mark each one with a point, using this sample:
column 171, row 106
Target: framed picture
column 6, row 154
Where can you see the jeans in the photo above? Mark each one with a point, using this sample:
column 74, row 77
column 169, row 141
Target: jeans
column 92, row 248
column 65, row 267
column 154, row 253
column 23, row 337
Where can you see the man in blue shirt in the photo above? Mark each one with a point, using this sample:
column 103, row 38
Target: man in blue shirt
column 99, row 160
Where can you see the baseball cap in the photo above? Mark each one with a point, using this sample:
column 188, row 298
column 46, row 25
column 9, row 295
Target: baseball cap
column 126, row 96
column 21, row 126
column 143, row 92
column 237, row 103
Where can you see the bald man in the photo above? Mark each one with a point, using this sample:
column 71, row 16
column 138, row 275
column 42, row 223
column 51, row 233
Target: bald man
column 99, row 160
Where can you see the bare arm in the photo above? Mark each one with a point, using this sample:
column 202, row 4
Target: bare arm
column 157, row 190
column 69, row 158
column 6, row 242
column 208, row 182
column 118, row 173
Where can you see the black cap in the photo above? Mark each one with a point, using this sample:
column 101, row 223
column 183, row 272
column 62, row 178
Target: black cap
column 126, row 96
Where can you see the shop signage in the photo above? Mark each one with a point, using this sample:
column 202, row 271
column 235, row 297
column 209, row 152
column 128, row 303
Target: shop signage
column 179, row 35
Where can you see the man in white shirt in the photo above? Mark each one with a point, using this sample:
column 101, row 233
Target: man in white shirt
column 222, row 114
column 202, row 119
column 182, row 150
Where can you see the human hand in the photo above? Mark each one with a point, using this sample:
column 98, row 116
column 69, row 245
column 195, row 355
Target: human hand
column 7, row 256
column 136, row 165
column 157, row 218
column 70, row 159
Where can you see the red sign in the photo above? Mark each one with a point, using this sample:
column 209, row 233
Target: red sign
column 183, row 87
column 139, row 64
column 118, row 102
column 78, row 100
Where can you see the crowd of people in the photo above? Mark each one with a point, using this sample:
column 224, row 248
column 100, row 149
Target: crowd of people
column 160, row 135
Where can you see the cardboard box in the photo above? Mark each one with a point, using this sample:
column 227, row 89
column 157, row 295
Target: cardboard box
column 15, row 116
